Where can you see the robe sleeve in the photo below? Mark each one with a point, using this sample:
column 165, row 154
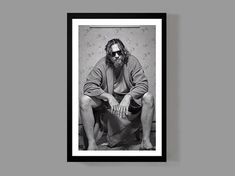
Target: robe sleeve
column 92, row 86
column 140, row 82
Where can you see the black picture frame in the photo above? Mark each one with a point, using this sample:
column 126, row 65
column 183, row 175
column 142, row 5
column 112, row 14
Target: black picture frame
column 124, row 158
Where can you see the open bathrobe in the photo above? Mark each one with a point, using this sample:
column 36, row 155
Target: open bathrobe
column 101, row 79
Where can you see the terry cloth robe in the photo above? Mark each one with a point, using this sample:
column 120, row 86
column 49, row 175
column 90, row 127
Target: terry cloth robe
column 101, row 79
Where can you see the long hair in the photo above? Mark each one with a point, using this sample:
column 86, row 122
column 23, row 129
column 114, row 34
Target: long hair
column 108, row 49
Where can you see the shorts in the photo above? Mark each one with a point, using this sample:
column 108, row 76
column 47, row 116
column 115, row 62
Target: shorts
column 133, row 107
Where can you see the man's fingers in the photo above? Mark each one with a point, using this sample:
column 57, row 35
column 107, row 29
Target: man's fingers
column 115, row 109
column 126, row 111
column 120, row 112
column 112, row 108
column 123, row 112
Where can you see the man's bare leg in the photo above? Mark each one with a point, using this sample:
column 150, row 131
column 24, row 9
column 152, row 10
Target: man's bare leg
column 146, row 120
column 86, row 105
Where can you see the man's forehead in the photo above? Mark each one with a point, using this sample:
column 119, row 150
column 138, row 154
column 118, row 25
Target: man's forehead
column 115, row 47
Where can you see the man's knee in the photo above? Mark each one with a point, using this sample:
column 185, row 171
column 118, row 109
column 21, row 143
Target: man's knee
column 85, row 102
column 148, row 99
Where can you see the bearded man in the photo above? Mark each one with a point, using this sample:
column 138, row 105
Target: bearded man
column 118, row 85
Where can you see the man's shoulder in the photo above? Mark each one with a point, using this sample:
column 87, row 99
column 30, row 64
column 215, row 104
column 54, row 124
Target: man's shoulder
column 101, row 62
column 132, row 60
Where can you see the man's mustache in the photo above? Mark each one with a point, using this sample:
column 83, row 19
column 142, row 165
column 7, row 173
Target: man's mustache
column 118, row 59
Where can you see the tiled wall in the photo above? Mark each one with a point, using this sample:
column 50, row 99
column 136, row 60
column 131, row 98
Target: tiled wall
column 140, row 41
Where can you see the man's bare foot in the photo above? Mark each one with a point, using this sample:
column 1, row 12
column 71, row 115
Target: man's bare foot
column 146, row 145
column 92, row 146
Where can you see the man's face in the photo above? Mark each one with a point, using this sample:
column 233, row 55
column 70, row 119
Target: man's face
column 117, row 58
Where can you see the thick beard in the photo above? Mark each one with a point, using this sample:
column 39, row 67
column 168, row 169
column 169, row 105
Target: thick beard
column 118, row 63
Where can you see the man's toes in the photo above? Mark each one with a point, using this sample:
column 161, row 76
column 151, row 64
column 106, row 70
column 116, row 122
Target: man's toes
column 146, row 145
column 93, row 147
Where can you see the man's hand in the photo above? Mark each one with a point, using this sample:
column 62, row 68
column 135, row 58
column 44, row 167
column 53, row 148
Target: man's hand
column 113, row 104
column 111, row 100
column 123, row 106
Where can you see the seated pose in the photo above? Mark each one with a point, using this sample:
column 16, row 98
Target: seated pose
column 118, row 85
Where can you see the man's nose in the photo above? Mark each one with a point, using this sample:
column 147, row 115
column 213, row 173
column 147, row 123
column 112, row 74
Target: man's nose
column 116, row 55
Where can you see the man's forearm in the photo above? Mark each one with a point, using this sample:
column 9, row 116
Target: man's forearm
column 128, row 97
column 105, row 96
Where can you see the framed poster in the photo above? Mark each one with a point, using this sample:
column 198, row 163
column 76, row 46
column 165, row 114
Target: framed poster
column 116, row 88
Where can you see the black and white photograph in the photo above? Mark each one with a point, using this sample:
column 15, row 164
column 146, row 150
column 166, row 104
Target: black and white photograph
column 116, row 87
